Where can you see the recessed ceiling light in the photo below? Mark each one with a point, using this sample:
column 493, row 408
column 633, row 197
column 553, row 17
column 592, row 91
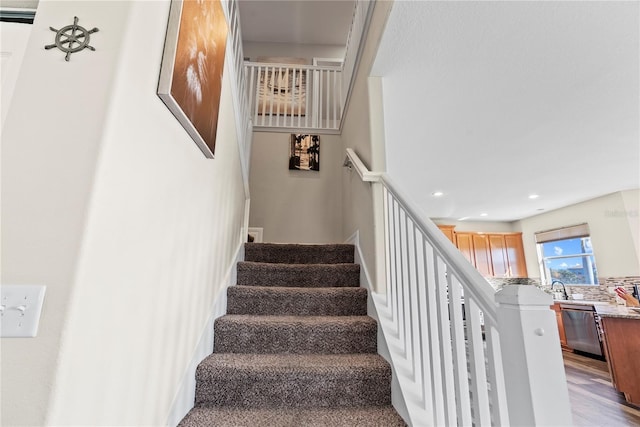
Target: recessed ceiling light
column 484, row 214
column 463, row 218
column 437, row 194
column 533, row 196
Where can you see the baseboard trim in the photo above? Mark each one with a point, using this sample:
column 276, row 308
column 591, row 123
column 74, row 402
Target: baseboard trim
column 185, row 396
column 257, row 233
column 397, row 397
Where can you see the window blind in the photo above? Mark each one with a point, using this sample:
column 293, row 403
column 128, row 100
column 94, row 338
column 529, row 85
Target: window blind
column 580, row 230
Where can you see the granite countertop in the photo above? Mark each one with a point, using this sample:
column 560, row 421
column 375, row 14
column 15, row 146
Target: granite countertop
column 614, row 310
column 581, row 302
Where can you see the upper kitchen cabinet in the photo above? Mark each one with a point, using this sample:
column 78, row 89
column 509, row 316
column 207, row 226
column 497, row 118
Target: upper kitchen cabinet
column 464, row 243
column 499, row 259
column 447, row 230
column 492, row 254
column 482, row 254
column 515, row 255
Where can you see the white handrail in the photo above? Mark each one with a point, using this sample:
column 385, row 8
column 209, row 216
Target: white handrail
column 352, row 160
column 446, row 326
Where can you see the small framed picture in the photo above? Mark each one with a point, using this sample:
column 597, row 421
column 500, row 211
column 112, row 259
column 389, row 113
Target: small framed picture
column 304, row 152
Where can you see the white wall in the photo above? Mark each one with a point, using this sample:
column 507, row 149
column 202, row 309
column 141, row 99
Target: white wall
column 631, row 200
column 14, row 42
column 611, row 234
column 108, row 202
column 253, row 50
column 50, row 144
column 482, row 226
column 296, row 206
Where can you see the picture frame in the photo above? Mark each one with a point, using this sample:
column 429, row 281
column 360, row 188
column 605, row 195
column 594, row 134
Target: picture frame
column 304, row 152
column 190, row 80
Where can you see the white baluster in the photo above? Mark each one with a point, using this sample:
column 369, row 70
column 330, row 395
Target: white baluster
column 461, row 376
column 437, row 367
column 480, row 400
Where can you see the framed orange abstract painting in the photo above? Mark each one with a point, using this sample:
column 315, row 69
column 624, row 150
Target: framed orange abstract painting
column 192, row 65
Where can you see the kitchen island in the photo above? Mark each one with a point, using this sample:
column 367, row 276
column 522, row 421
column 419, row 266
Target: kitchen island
column 621, row 333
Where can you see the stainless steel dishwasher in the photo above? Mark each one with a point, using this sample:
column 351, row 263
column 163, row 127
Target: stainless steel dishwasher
column 580, row 328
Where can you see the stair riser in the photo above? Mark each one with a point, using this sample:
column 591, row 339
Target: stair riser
column 299, row 254
column 294, row 338
column 384, row 416
column 292, row 275
column 294, row 390
column 353, row 302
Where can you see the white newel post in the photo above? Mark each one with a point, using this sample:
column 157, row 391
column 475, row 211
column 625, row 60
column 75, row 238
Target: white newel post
column 535, row 381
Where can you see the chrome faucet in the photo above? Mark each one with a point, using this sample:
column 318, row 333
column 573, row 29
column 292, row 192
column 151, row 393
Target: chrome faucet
column 564, row 290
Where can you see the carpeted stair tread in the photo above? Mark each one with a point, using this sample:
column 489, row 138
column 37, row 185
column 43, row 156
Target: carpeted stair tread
column 293, row 380
column 296, row 347
column 277, row 301
column 299, row 254
column 295, row 334
column 298, row 275
column 374, row 416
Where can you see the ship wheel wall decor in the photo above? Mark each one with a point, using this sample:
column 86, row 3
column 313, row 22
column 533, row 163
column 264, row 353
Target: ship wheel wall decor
column 72, row 38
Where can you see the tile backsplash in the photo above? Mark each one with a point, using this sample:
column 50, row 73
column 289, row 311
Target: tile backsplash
column 592, row 293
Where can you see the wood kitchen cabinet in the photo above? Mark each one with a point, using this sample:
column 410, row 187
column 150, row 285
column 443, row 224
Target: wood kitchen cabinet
column 447, row 230
column 492, row 254
column 563, row 337
column 482, row 254
column 464, row 243
column 622, row 347
column 499, row 259
column 515, row 255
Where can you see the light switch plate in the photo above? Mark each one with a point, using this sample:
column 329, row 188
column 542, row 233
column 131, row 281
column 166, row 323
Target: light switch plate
column 20, row 309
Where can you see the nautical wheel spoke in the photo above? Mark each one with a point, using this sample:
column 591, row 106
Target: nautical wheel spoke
column 72, row 38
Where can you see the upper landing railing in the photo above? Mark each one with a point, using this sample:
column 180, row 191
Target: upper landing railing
column 306, row 97
column 295, row 96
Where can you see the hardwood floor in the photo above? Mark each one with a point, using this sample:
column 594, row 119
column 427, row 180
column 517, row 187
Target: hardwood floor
column 594, row 401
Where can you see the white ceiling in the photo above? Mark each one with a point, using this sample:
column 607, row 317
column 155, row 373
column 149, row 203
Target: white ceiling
column 492, row 101
column 324, row 22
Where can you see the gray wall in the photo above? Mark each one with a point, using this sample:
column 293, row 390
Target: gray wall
column 363, row 131
column 296, row 206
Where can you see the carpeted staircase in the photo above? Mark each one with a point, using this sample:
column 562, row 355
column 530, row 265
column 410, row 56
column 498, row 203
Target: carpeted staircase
column 296, row 347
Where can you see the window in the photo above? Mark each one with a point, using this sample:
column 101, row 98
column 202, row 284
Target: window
column 566, row 254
